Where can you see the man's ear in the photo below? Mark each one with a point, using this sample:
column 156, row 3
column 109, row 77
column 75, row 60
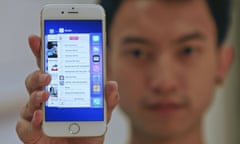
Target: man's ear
column 226, row 58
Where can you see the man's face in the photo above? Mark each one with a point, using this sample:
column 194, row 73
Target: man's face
column 165, row 59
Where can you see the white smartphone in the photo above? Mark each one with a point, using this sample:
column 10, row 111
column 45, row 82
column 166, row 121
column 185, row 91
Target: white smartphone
column 73, row 53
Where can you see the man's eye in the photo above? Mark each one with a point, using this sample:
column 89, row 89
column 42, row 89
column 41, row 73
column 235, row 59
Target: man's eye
column 187, row 51
column 137, row 53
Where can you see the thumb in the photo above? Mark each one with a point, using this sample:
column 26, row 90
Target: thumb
column 30, row 132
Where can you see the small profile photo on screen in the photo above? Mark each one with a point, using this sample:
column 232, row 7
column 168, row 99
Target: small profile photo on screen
column 53, row 91
column 52, row 49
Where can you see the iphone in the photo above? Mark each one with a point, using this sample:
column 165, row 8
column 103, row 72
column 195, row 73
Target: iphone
column 73, row 53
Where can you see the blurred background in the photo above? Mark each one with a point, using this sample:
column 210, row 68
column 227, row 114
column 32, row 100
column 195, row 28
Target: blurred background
column 20, row 18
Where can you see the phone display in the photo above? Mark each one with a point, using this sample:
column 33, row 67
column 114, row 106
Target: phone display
column 73, row 54
column 74, row 59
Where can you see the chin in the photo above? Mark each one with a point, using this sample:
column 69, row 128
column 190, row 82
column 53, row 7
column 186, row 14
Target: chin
column 163, row 131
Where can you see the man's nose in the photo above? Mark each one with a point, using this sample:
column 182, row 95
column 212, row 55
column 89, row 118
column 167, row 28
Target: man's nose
column 163, row 76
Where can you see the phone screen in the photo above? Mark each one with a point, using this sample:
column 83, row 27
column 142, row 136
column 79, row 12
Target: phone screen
column 74, row 59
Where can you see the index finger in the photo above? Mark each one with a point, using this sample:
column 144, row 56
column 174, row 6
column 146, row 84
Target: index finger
column 35, row 45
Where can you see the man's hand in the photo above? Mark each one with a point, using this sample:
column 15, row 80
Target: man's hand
column 29, row 127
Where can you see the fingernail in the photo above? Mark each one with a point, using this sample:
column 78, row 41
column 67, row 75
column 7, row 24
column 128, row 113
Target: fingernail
column 114, row 83
column 36, row 118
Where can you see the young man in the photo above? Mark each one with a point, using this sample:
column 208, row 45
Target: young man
column 167, row 57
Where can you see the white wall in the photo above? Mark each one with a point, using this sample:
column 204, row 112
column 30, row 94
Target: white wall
column 20, row 18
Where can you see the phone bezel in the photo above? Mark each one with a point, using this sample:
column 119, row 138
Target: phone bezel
column 74, row 12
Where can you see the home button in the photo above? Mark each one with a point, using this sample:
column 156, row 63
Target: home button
column 74, row 128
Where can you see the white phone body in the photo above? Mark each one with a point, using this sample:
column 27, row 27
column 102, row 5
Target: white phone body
column 73, row 53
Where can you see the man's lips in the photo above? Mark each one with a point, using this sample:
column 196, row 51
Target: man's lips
column 165, row 107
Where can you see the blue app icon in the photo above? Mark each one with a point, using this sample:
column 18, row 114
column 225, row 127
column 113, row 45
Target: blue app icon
column 97, row 102
column 96, row 38
column 96, row 48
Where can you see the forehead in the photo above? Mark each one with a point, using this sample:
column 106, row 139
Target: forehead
column 166, row 17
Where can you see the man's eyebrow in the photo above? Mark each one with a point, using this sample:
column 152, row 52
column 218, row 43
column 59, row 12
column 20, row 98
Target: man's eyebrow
column 136, row 40
column 191, row 36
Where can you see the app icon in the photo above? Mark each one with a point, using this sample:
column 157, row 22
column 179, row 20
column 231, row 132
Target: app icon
column 54, row 67
column 96, row 68
column 96, row 88
column 61, row 30
column 61, row 77
column 96, row 78
column 97, row 102
column 96, row 58
column 53, row 91
column 95, row 38
column 96, row 49
column 51, row 31
column 52, row 49
column 61, row 82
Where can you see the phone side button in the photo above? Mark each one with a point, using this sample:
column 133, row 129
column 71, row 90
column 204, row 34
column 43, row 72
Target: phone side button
column 74, row 128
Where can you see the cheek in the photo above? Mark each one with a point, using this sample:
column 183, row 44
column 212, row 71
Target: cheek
column 201, row 87
column 130, row 84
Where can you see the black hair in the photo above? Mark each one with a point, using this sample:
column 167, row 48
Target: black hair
column 220, row 10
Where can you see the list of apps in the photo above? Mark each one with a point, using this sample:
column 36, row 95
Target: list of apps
column 75, row 63
column 69, row 63
column 97, row 84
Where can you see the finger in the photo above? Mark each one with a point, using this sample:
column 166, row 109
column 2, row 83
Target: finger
column 30, row 132
column 35, row 103
column 36, row 81
column 35, row 45
column 112, row 97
